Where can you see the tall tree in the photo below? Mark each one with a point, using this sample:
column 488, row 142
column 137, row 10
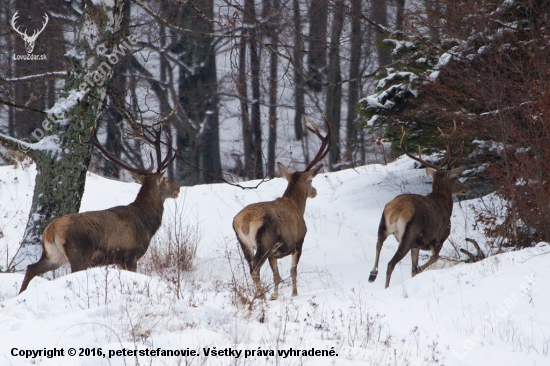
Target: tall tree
column 354, row 69
column 317, row 61
column 298, row 56
column 380, row 17
column 271, row 11
column 250, row 110
column 198, row 134
column 334, row 75
column 61, row 160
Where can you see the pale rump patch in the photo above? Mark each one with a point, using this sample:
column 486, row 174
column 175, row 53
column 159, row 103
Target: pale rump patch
column 246, row 224
column 54, row 242
column 398, row 213
column 249, row 239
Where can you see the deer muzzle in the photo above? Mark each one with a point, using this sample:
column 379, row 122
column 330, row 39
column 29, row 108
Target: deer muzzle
column 176, row 193
column 313, row 193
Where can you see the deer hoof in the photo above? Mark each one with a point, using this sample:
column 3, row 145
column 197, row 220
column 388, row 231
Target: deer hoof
column 274, row 296
column 416, row 271
column 372, row 277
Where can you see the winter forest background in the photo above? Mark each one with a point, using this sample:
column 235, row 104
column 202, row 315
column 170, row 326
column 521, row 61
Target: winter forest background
column 232, row 81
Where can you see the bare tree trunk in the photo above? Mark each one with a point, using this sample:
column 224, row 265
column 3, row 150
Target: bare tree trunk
column 273, row 79
column 116, row 93
column 318, row 13
column 243, row 96
column 255, row 117
column 380, row 16
column 353, row 86
column 62, row 162
column 400, row 13
column 31, row 94
column 298, row 78
column 198, row 96
column 334, row 92
column 10, row 69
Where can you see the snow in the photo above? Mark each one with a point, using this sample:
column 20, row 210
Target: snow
column 444, row 59
column 66, row 103
column 491, row 312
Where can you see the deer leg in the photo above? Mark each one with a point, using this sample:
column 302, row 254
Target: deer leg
column 382, row 236
column 432, row 260
column 276, row 277
column 52, row 258
column 294, row 270
column 414, row 258
column 44, row 265
column 248, row 253
column 404, row 246
column 130, row 264
column 257, row 262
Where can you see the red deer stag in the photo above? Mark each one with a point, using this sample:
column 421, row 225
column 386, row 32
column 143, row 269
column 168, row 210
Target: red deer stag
column 421, row 222
column 118, row 235
column 277, row 228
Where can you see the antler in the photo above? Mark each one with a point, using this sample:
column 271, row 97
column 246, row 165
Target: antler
column 36, row 33
column 13, row 19
column 162, row 164
column 156, row 143
column 92, row 140
column 448, row 154
column 325, row 141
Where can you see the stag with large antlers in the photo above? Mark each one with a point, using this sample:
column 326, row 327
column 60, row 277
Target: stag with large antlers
column 421, row 222
column 276, row 229
column 119, row 235
column 29, row 40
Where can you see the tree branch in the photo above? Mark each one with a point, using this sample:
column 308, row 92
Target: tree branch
column 37, row 77
column 5, row 102
column 254, row 39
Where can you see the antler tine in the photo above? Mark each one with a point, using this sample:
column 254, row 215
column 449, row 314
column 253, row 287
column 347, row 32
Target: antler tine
column 168, row 160
column 325, row 141
column 155, row 142
column 459, row 152
column 92, row 140
column 16, row 28
column 36, row 32
column 448, row 154
column 156, row 145
column 151, row 166
column 421, row 161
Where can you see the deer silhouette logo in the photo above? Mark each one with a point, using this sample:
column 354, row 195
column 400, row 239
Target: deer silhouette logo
column 29, row 40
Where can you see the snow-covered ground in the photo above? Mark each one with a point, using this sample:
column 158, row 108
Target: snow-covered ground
column 491, row 312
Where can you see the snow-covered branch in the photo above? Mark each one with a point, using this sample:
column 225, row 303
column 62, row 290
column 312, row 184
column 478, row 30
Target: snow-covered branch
column 37, row 77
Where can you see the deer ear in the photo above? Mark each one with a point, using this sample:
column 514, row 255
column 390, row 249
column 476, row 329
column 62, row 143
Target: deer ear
column 137, row 177
column 284, row 171
column 316, row 170
column 431, row 172
column 456, row 172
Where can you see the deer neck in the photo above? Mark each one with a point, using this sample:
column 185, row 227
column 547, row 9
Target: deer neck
column 441, row 192
column 297, row 195
column 149, row 207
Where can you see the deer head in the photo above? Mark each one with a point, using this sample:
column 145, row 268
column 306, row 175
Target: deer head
column 29, row 40
column 445, row 176
column 153, row 137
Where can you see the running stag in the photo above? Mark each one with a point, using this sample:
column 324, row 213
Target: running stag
column 276, row 229
column 421, row 222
